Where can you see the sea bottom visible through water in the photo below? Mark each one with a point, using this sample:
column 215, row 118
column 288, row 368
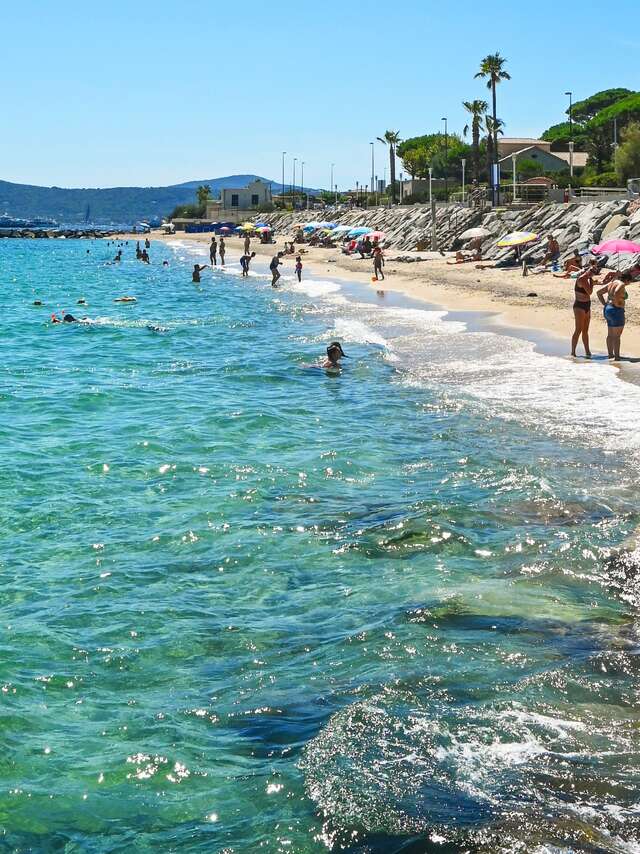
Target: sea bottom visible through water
column 251, row 606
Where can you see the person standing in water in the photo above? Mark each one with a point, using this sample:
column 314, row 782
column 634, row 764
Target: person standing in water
column 582, row 310
column 222, row 250
column 213, row 250
column 197, row 269
column 614, row 313
column 299, row 268
column 245, row 260
column 273, row 266
column 247, row 244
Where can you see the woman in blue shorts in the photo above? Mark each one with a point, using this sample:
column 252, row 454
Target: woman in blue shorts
column 616, row 292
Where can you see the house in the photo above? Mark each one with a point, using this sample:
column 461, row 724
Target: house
column 248, row 198
column 549, row 161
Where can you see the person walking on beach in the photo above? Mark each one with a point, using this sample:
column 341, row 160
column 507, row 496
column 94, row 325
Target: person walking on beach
column 213, row 250
column 273, row 266
column 582, row 311
column 197, row 269
column 299, row 268
column 247, row 244
column 221, row 250
column 614, row 313
column 245, row 260
column 378, row 263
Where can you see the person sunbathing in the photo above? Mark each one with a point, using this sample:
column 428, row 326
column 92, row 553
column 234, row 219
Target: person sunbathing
column 462, row 258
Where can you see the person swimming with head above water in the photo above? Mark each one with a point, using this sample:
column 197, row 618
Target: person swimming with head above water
column 66, row 318
column 334, row 354
column 197, row 269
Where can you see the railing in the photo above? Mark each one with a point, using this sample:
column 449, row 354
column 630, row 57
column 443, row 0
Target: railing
column 606, row 193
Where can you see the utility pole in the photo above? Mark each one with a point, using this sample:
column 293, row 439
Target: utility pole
column 331, row 184
column 373, row 167
column 570, row 94
column 446, row 154
column 293, row 185
column 282, row 185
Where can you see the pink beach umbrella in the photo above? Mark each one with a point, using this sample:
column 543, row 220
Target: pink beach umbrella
column 617, row 245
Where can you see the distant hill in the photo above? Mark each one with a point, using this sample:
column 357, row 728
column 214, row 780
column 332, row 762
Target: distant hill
column 117, row 205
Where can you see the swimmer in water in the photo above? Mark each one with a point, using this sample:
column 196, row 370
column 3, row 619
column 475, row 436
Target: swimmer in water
column 197, row 269
column 66, row 318
column 334, row 354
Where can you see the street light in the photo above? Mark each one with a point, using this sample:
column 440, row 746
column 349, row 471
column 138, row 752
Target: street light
column 373, row 167
column 513, row 163
column 446, row 154
column 282, row 187
column 464, row 163
column 570, row 94
column 331, row 184
column 401, row 187
column 336, row 189
column 302, row 187
column 293, row 186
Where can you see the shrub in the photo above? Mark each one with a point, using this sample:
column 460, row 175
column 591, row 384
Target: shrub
column 604, row 179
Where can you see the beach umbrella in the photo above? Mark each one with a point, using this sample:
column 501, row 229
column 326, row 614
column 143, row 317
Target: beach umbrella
column 339, row 229
column 376, row 235
column 225, row 228
column 309, row 227
column 359, row 231
column 616, row 246
column 262, row 225
column 517, row 238
column 263, row 228
column 473, row 233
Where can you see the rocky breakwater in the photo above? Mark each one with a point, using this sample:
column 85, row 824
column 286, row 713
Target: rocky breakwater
column 575, row 226
column 48, row 234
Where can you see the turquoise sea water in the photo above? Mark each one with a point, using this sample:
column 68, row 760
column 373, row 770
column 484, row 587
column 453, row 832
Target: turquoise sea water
column 248, row 606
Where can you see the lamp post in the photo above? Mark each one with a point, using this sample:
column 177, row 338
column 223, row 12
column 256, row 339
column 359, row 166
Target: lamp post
column 282, row 187
column 401, row 187
column 570, row 94
column 331, row 184
column 293, row 185
column 336, row 189
column 513, row 163
column 464, row 163
column 376, row 191
column 302, row 185
column 373, row 167
column 357, row 194
column 432, row 205
column 446, row 154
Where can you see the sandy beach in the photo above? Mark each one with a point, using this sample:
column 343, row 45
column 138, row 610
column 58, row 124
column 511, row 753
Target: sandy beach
column 504, row 294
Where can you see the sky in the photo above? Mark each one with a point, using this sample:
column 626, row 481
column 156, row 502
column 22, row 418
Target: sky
column 121, row 94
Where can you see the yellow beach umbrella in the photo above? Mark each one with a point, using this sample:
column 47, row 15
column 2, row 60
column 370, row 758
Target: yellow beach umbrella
column 247, row 226
column 517, row 238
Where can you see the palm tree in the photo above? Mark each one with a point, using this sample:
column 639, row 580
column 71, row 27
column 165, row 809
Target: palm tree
column 493, row 128
column 492, row 68
column 204, row 194
column 391, row 138
column 477, row 109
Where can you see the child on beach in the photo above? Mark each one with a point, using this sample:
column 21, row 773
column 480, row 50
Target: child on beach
column 299, row 268
column 245, row 260
column 378, row 263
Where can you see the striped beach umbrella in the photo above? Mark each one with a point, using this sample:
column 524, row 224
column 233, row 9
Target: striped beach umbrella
column 517, row 238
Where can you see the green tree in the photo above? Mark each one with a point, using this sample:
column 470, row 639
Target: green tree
column 529, row 168
column 477, row 109
column 598, row 145
column 392, row 139
column 628, row 153
column 584, row 111
column 492, row 69
column 204, row 194
column 416, row 161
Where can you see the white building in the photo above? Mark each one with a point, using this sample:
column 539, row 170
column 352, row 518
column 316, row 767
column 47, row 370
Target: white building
column 248, row 198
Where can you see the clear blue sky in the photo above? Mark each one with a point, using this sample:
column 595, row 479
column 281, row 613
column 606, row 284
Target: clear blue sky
column 114, row 93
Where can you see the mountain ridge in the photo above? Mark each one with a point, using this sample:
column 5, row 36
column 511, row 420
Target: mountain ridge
column 109, row 205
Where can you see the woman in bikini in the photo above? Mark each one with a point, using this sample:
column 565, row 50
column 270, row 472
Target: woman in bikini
column 616, row 292
column 582, row 311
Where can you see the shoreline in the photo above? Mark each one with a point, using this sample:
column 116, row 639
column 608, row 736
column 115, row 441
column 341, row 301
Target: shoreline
column 487, row 300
